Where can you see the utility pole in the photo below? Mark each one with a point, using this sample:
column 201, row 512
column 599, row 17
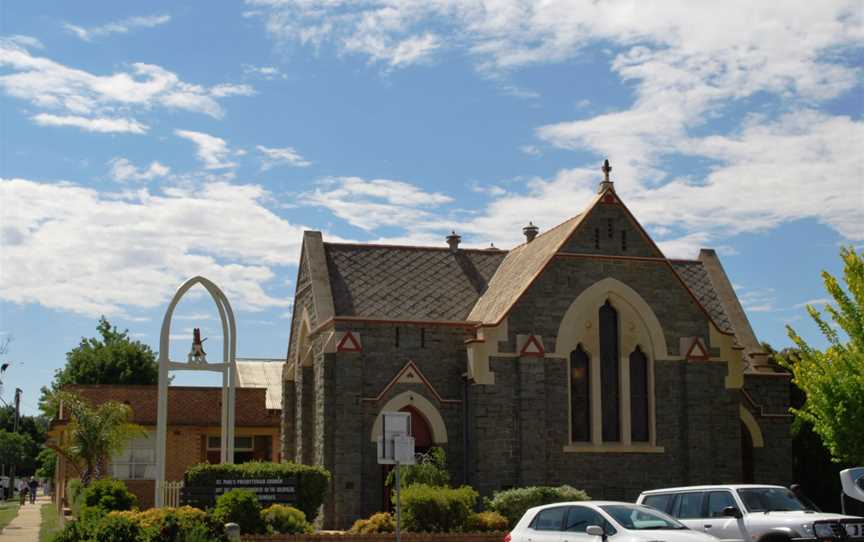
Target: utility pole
column 15, row 430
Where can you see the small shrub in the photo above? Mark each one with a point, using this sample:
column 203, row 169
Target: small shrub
column 115, row 528
column 312, row 482
column 486, row 522
column 282, row 519
column 382, row 522
column 431, row 469
column 184, row 524
column 109, row 495
column 74, row 531
column 241, row 507
column 436, row 509
column 73, row 490
column 512, row 503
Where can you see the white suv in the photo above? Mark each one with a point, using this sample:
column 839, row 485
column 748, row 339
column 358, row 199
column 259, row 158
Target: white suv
column 599, row 521
column 752, row 513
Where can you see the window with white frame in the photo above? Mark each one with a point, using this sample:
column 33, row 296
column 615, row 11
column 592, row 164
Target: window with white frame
column 244, row 449
column 137, row 461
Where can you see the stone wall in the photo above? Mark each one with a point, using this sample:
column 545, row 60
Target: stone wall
column 351, row 404
column 609, row 221
column 772, row 395
column 521, row 429
column 544, row 304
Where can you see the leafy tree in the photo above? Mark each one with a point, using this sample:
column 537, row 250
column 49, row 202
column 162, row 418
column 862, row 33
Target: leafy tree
column 832, row 379
column 14, row 447
column 812, row 467
column 33, row 426
column 111, row 358
column 431, row 469
column 95, row 435
column 47, row 461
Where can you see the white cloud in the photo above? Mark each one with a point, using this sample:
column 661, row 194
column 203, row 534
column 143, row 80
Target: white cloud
column 531, row 150
column 117, row 27
column 687, row 63
column 73, row 248
column 77, row 94
column 212, row 150
column 813, row 302
column 264, row 72
column 123, row 170
column 281, row 156
column 98, row 124
column 194, row 316
column 374, row 203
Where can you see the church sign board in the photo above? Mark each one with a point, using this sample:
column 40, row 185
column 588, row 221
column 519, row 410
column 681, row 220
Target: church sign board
column 268, row 490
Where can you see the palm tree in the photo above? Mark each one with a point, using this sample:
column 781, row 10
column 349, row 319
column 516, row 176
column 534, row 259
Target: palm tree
column 95, row 435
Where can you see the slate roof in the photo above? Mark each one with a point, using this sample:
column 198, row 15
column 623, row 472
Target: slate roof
column 408, row 283
column 518, row 269
column 694, row 275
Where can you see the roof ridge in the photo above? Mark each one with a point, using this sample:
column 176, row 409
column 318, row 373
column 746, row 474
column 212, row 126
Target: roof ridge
column 495, row 250
column 550, row 230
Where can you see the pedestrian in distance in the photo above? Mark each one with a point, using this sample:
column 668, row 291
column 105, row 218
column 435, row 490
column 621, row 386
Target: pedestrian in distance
column 32, row 486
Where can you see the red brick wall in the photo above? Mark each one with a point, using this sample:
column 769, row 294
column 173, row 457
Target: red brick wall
column 144, row 490
column 406, row 537
column 187, row 405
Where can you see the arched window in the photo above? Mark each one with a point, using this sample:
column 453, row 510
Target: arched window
column 580, row 395
column 639, row 396
column 609, row 373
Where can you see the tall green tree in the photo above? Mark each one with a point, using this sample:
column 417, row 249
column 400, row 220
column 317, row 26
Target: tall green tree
column 14, row 447
column 34, row 427
column 95, row 434
column 110, row 358
column 833, row 379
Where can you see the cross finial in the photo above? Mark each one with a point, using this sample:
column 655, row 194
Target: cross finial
column 606, row 169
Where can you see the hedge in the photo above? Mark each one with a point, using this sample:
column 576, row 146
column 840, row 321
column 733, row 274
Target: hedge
column 183, row 524
column 312, row 482
column 512, row 503
column 434, row 509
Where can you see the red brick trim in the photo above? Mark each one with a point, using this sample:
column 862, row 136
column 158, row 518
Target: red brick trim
column 539, row 351
column 702, row 355
column 348, row 343
column 410, row 366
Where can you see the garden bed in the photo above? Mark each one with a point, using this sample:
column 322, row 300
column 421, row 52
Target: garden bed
column 384, row 537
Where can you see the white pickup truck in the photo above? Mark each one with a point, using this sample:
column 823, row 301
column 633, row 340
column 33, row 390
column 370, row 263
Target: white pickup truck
column 752, row 513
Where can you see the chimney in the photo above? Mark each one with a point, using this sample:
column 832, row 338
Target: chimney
column 530, row 231
column 453, row 241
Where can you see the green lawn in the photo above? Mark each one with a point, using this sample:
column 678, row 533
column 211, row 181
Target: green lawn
column 50, row 522
column 8, row 511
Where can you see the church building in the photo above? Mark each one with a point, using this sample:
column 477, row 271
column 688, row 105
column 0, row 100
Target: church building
column 583, row 356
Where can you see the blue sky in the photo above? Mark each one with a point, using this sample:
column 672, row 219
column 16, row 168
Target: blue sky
column 144, row 144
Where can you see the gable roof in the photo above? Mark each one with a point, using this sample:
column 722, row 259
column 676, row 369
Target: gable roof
column 262, row 373
column 417, row 284
column 408, row 283
column 518, row 270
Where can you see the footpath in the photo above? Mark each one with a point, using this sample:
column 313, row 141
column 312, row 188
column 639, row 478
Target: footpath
column 25, row 526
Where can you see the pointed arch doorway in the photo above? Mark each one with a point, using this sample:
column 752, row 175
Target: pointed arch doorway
column 421, row 430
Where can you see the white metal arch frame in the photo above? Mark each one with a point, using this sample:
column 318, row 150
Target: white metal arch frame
column 227, row 367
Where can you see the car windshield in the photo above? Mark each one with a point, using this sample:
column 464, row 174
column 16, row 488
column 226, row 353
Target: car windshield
column 640, row 518
column 770, row 499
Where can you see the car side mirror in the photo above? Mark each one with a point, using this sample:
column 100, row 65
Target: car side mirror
column 732, row 512
column 595, row 530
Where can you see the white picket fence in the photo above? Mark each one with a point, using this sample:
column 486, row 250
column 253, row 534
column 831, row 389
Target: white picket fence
column 171, row 493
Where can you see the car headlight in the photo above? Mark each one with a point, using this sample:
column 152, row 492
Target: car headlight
column 807, row 529
column 823, row 530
